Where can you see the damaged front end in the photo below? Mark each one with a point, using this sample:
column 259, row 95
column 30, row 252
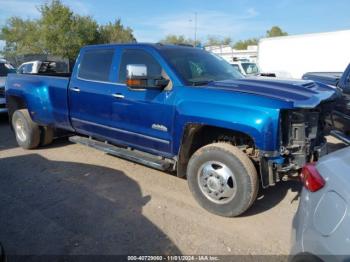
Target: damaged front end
column 302, row 140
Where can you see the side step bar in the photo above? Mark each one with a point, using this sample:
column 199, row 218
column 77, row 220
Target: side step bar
column 341, row 136
column 143, row 158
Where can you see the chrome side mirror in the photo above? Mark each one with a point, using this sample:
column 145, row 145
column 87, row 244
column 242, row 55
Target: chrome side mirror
column 136, row 76
column 134, row 71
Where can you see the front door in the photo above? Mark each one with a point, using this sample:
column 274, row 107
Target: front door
column 144, row 116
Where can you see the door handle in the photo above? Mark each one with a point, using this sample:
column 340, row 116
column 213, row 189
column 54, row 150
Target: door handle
column 120, row 96
column 75, row 89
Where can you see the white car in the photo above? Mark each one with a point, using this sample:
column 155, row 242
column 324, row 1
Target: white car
column 321, row 226
column 246, row 68
column 36, row 67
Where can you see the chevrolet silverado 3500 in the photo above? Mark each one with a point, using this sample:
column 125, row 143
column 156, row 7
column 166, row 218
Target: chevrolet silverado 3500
column 180, row 109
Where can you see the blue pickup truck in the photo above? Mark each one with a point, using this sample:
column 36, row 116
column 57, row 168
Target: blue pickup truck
column 339, row 118
column 179, row 109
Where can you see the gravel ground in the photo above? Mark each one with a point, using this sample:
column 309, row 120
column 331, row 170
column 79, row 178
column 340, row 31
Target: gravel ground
column 70, row 199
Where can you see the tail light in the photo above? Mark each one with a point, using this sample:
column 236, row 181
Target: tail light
column 311, row 179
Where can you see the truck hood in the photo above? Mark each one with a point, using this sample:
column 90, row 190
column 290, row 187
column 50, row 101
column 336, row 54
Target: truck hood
column 302, row 94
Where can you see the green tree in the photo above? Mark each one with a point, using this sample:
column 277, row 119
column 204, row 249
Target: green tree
column 21, row 36
column 275, row 31
column 59, row 32
column 243, row 44
column 176, row 39
column 227, row 41
column 115, row 33
column 62, row 32
column 212, row 40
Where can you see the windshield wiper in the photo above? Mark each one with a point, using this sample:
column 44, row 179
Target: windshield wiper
column 201, row 83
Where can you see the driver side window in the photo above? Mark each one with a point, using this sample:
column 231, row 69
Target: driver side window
column 139, row 57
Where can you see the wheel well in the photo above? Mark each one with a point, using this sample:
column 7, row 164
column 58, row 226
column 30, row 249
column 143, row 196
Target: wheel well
column 14, row 103
column 197, row 136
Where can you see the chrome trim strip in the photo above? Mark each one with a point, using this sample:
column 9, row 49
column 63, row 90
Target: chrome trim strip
column 121, row 130
column 120, row 96
column 102, row 82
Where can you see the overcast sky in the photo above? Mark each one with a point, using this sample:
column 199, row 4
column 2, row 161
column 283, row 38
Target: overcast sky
column 152, row 20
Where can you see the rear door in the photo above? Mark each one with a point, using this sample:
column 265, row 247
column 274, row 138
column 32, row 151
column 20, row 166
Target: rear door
column 90, row 93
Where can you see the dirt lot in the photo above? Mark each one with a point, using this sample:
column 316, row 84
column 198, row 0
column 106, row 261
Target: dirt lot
column 70, row 199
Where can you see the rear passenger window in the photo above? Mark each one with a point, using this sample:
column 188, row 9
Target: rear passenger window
column 135, row 56
column 96, row 64
column 28, row 68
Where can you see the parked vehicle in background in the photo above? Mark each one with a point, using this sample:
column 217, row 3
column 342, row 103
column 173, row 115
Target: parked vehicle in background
column 246, row 68
column 340, row 116
column 35, row 67
column 5, row 68
column 329, row 78
column 178, row 108
column 321, row 225
column 233, row 55
column 293, row 56
column 250, row 69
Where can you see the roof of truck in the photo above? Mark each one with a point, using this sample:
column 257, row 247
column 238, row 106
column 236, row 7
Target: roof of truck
column 154, row 45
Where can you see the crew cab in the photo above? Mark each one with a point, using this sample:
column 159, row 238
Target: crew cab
column 179, row 109
column 339, row 119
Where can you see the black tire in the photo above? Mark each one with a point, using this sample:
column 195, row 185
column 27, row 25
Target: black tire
column 30, row 129
column 47, row 135
column 241, row 167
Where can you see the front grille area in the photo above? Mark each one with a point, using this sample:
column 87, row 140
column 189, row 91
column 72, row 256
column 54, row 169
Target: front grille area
column 2, row 92
column 301, row 133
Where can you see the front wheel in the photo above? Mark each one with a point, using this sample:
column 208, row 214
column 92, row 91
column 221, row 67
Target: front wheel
column 222, row 179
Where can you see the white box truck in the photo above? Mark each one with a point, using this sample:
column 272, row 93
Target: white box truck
column 292, row 56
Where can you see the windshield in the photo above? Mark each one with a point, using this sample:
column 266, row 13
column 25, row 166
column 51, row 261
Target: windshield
column 199, row 67
column 6, row 69
column 236, row 67
column 250, row 68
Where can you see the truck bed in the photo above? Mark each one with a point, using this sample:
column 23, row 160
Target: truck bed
column 46, row 96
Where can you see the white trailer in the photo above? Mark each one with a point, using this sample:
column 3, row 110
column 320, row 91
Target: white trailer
column 292, row 56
